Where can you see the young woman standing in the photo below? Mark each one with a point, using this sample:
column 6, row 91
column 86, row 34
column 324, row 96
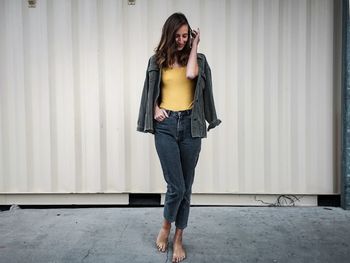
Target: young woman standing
column 176, row 102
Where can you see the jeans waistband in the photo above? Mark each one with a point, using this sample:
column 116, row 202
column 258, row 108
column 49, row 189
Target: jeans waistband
column 179, row 113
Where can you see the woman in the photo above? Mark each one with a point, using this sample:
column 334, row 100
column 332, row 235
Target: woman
column 176, row 101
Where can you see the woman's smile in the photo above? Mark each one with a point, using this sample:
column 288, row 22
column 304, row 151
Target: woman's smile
column 181, row 36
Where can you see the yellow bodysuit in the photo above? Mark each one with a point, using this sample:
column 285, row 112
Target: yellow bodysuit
column 177, row 91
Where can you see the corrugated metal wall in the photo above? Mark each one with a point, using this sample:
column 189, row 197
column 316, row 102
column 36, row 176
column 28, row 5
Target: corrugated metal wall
column 71, row 76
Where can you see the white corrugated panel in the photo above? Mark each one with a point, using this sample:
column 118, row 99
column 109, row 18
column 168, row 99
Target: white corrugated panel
column 71, row 76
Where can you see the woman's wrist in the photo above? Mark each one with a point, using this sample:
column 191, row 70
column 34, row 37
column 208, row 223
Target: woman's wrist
column 195, row 44
column 194, row 50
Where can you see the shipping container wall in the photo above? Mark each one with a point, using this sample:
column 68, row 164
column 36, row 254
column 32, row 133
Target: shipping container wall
column 71, row 77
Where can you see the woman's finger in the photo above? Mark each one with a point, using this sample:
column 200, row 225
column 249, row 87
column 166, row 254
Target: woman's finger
column 165, row 113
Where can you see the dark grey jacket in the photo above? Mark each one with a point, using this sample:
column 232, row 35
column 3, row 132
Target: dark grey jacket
column 203, row 106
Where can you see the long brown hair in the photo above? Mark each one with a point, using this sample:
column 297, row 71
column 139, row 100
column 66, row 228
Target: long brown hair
column 166, row 51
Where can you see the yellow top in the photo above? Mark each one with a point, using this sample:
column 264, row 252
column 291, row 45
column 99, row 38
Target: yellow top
column 177, row 90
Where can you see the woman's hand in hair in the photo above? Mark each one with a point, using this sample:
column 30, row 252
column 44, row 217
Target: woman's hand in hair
column 196, row 36
column 160, row 114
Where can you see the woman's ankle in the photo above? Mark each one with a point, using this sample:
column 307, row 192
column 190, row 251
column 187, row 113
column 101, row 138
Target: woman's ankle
column 166, row 224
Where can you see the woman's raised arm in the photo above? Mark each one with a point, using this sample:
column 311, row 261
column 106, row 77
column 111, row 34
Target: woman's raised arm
column 192, row 65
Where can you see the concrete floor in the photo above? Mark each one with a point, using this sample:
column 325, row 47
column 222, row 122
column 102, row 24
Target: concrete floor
column 214, row 234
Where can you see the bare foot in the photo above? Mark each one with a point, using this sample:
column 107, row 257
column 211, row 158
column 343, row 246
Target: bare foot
column 162, row 239
column 179, row 253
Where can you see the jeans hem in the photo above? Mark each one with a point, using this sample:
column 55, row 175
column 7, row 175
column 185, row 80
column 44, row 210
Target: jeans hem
column 181, row 227
column 169, row 220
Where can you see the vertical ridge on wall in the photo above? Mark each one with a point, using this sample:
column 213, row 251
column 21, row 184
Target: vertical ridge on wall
column 273, row 111
column 307, row 94
column 72, row 73
column 299, row 119
column 258, row 117
column 2, row 96
column 52, row 96
column 101, row 89
column 245, row 95
column 62, row 96
column 284, row 98
column 337, row 54
column 89, row 93
column 229, row 113
column 136, row 51
column 113, row 76
column 77, row 100
column 37, row 95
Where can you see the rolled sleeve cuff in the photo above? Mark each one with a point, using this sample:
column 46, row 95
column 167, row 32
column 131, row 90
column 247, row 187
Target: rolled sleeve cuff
column 213, row 124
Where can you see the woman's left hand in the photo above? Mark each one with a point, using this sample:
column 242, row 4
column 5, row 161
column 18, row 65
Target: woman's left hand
column 196, row 39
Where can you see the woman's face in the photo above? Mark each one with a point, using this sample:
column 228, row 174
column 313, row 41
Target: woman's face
column 181, row 37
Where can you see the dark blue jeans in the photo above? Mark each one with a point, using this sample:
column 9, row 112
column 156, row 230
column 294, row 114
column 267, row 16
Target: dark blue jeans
column 178, row 153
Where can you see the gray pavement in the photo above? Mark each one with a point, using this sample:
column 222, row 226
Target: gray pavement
column 214, row 234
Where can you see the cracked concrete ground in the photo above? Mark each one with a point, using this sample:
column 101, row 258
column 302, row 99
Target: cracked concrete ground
column 214, row 234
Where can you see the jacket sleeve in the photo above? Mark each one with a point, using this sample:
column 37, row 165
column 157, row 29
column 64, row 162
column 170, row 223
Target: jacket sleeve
column 143, row 103
column 209, row 105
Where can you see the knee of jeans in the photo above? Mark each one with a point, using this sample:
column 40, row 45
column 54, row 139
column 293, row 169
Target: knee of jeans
column 179, row 193
column 187, row 197
column 188, row 191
